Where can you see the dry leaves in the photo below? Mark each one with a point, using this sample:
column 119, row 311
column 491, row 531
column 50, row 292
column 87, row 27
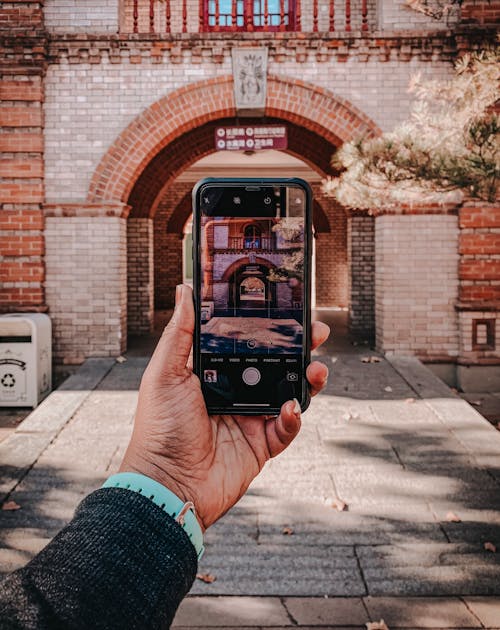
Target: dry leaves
column 489, row 546
column 476, row 403
column 339, row 505
column 287, row 531
column 377, row 625
column 336, row 504
column 11, row 505
column 453, row 518
column 388, row 388
column 371, row 359
column 120, row 359
column 208, row 578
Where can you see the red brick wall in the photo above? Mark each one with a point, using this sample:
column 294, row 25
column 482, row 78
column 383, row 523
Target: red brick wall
column 22, row 189
column 168, row 246
column 481, row 12
column 479, row 246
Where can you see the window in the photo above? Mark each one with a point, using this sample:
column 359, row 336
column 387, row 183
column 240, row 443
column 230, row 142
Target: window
column 252, row 15
column 252, row 237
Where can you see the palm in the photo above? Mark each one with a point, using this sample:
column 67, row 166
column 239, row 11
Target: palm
column 217, row 444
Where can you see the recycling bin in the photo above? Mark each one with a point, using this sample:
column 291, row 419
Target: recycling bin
column 25, row 359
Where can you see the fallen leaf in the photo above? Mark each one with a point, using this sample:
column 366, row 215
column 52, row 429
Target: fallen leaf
column 489, row 546
column 208, row 578
column 476, row 403
column 377, row 625
column 287, row 531
column 453, row 518
column 11, row 505
column 371, row 359
column 120, row 359
column 339, row 505
column 410, row 400
column 388, row 388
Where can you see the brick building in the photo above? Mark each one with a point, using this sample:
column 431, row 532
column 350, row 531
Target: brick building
column 109, row 110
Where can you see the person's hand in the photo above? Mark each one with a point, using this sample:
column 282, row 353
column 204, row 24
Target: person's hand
column 209, row 460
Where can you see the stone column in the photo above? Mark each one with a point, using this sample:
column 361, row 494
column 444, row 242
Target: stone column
column 361, row 265
column 479, row 297
column 140, row 275
column 86, row 282
column 416, row 285
column 22, row 191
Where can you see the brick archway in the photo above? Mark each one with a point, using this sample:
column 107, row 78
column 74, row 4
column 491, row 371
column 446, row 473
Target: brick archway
column 135, row 152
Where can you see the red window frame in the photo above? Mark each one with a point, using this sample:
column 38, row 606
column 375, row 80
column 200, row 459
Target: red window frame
column 248, row 19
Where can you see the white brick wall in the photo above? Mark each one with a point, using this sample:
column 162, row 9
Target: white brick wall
column 86, row 285
column 109, row 16
column 140, row 275
column 91, row 16
column 416, row 284
column 88, row 105
column 397, row 15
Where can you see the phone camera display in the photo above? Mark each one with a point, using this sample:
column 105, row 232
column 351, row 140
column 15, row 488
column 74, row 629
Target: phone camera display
column 252, row 250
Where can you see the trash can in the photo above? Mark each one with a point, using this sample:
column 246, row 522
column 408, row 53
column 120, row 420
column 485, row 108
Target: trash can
column 25, row 359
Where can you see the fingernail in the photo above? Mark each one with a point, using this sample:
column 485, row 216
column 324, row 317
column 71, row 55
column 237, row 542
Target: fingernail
column 296, row 407
column 178, row 293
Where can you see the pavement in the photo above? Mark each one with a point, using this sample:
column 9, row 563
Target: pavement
column 387, row 506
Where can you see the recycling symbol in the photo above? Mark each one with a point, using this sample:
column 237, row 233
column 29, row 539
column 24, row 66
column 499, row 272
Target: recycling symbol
column 8, row 380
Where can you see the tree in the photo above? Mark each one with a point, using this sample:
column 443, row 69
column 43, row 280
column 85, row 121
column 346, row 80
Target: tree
column 450, row 143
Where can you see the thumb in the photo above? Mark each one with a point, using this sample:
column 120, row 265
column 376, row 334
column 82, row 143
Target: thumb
column 172, row 352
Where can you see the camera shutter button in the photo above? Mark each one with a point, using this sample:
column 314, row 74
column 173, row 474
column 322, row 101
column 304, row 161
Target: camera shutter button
column 251, row 376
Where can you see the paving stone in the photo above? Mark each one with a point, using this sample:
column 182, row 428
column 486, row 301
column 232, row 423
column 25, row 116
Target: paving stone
column 390, row 484
column 17, row 453
column 315, row 611
column 359, row 443
column 413, row 416
column 487, row 610
column 423, row 381
column 418, row 569
column 293, row 569
column 231, row 611
column 106, row 413
column 438, row 612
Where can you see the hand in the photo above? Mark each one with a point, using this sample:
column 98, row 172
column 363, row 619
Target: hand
column 209, row 460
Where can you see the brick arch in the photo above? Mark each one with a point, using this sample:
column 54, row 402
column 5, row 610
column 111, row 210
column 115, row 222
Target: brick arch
column 136, row 151
column 241, row 262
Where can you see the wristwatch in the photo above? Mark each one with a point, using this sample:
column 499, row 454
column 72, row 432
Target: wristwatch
column 183, row 513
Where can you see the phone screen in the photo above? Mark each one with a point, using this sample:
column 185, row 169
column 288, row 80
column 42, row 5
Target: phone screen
column 253, row 295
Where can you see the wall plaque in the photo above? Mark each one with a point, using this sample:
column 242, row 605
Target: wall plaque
column 250, row 80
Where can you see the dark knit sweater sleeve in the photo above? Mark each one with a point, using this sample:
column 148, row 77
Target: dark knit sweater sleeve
column 120, row 563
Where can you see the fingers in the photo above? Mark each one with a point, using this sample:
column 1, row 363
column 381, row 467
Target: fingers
column 282, row 430
column 319, row 334
column 317, row 375
column 172, row 352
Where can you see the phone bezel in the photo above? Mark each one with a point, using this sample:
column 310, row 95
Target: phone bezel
column 306, row 353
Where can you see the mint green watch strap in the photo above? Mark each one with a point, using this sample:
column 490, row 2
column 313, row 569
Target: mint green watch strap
column 165, row 499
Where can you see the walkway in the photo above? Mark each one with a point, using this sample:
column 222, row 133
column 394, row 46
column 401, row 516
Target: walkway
column 386, row 506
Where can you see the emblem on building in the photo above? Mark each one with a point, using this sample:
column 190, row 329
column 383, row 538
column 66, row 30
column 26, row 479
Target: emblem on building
column 250, row 85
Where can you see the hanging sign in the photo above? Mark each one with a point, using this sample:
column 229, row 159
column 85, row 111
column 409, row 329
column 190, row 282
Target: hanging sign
column 251, row 138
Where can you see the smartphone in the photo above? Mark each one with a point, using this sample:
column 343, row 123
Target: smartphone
column 251, row 286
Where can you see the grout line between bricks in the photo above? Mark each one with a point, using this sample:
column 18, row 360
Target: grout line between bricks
column 289, row 614
column 471, row 611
